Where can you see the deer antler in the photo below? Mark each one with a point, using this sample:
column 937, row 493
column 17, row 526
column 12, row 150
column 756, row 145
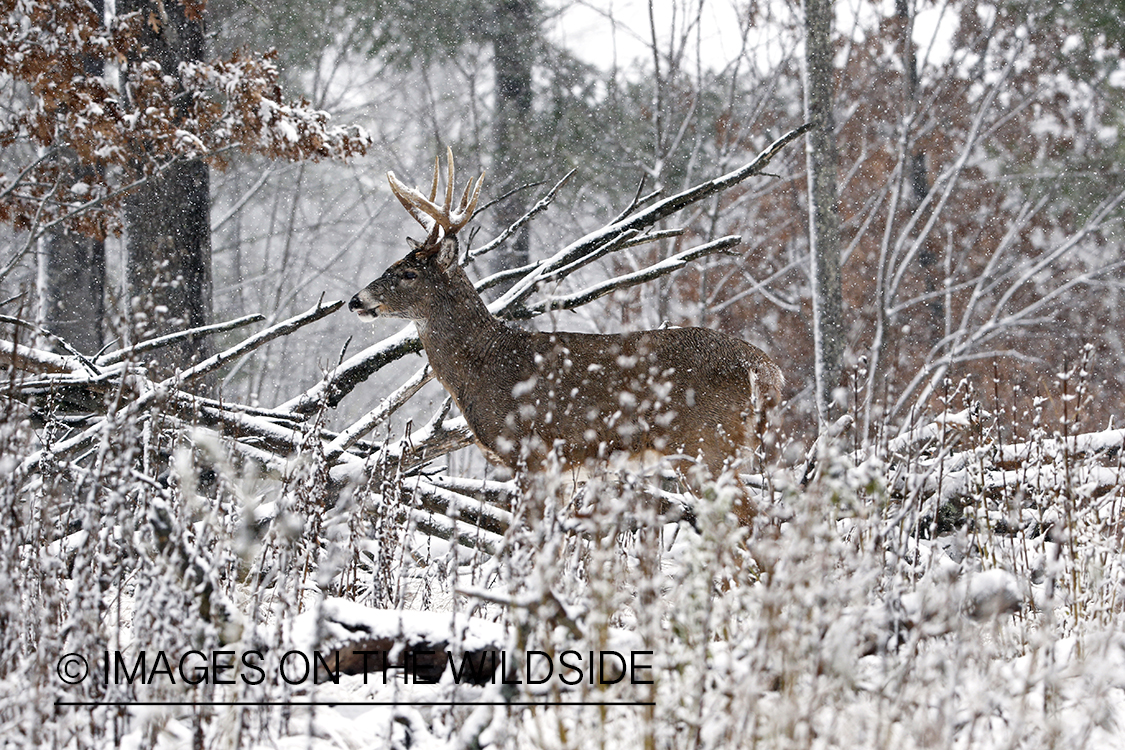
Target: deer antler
column 428, row 213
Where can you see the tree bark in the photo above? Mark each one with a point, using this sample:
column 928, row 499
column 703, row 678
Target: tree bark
column 824, row 233
column 168, row 220
column 513, row 45
column 169, row 259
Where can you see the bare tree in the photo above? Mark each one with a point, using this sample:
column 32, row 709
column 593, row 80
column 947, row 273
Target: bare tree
column 514, row 34
column 824, row 234
column 168, row 219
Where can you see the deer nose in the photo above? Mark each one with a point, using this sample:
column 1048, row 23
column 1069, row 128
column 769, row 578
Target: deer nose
column 355, row 304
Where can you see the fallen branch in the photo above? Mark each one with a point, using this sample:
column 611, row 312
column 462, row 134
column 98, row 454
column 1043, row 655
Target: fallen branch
column 148, row 345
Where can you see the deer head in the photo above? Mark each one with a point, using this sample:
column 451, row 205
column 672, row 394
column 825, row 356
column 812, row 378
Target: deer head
column 411, row 288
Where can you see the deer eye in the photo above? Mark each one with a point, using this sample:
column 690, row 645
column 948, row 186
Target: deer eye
column 409, row 275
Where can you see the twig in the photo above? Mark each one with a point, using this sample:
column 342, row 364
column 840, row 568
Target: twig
column 58, row 339
column 47, row 154
column 650, row 216
column 354, row 371
column 638, row 201
column 283, row 328
column 171, row 385
column 656, row 270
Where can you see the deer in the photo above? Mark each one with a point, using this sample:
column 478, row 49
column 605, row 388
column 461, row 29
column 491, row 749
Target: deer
column 690, row 395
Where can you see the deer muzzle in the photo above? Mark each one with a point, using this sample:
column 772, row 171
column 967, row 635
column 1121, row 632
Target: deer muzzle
column 364, row 307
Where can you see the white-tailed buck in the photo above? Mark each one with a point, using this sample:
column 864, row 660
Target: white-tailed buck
column 687, row 393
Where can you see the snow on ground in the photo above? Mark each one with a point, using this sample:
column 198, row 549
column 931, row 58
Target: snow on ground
column 941, row 594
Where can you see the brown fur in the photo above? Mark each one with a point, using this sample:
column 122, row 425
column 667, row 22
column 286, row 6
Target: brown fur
column 689, row 392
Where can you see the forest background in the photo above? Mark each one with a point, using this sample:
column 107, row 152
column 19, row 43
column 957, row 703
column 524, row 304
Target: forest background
column 978, row 173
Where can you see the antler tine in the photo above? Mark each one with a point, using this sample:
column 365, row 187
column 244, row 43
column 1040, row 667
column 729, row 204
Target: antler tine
column 449, row 180
column 468, row 204
column 464, row 202
column 437, row 171
column 409, row 198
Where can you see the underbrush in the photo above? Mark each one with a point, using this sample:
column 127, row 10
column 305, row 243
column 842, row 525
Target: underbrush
column 957, row 586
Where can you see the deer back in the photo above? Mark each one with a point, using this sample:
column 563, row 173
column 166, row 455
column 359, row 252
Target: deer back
column 688, row 392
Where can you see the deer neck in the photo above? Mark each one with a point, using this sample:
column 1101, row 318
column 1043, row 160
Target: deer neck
column 460, row 334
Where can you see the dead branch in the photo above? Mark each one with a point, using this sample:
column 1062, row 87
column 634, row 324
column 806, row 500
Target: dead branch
column 148, row 345
column 28, row 359
column 378, row 415
column 656, row 270
column 284, row 328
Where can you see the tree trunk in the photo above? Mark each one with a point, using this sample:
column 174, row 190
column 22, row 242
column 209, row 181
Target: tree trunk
column 72, row 289
column 72, row 268
column 513, row 45
column 824, row 233
column 169, row 259
column 168, row 220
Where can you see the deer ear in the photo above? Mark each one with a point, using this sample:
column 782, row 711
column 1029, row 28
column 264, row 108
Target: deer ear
column 415, row 245
column 448, row 253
